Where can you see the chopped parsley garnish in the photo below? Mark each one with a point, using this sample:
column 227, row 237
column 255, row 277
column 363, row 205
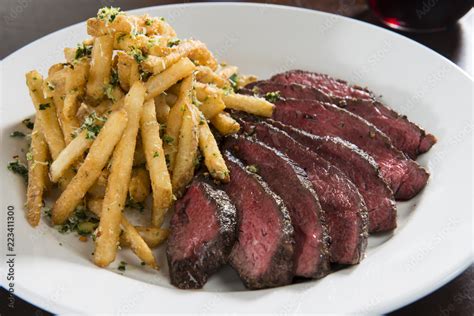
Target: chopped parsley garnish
column 168, row 139
column 156, row 154
column 50, row 86
column 173, row 42
column 28, row 123
column 162, row 18
column 83, row 51
column 90, row 125
column 29, row 156
column 44, row 106
column 252, row 168
column 233, row 81
column 131, row 203
column 47, row 211
column 122, row 266
column 17, row 134
column 81, row 221
column 108, row 14
column 19, row 168
column 109, row 90
column 144, row 75
column 273, row 96
column 148, row 22
column 137, row 54
column 114, row 79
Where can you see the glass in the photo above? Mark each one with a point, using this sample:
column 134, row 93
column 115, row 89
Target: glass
column 420, row 15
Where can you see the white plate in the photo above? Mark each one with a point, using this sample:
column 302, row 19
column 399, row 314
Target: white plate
column 432, row 244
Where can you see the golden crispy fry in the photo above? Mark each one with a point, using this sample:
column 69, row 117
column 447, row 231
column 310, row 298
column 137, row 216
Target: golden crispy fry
column 153, row 236
column 211, row 106
column 119, row 179
column 131, row 236
column 240, row 102
column 156, row 164
column 183, row 170
column 205, row 74
column 128, row 71
column 242, row 81
column 162, row 109
column 159, row 83
column 212, row 155
column 249, row 104
column 37, row 175
column 225, row 124
column 139, row 187
column 101, row 65
column 195, row 50
column 90, row 170
column 175, row 118
column 137, row 244
column 46, row 114
column 72, row 153
column 227, row 71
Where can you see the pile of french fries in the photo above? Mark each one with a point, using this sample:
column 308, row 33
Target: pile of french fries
column 125, row 117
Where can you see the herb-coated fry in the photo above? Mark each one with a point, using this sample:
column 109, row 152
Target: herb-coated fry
column 119, row 179
column 101, row 65
column 90, row 170
column 139, row 187
column 156, row 163
column 225, row 124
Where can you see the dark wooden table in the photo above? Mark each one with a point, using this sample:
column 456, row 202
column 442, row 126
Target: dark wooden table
column 23, row 21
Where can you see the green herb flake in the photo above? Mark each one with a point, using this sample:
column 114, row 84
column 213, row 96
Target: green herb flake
column 148, row 22
column 44, row 106
column 90, row 125
column 81, row 221
column 144, row 75
column 17, row 134
column 109, row 92
column 273, row 96
column 19, row 168
column 47, row 211
column 137, row 54
column 168, row 139
column 108, row 14
column 122, row 266
column 114, row 79
column 233, row 81
column 28, row 123
column 252, row 168
column 156, row 154
column 29, row 156
column 173, row 42
column 83, row 50
column 50, row 86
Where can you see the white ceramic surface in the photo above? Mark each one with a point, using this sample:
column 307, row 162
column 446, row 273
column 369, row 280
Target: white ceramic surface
column 432, row 244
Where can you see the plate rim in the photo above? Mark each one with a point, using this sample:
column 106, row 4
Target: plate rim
column 398, row 302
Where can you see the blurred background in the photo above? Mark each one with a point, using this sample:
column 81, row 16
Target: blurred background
column 442, row 25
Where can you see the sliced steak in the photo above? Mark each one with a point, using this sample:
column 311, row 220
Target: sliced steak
column 345, row 210
column 291, row 183
column 263, row 252
column 203, row 231
column 361, row 169
column 405, row 176
column 405, row 135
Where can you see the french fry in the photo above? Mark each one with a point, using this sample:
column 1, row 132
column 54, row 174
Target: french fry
column 211, row 106
column 139, row 187
column 227, row 71
column 131, row 236
column 159, row 83
column 153, row 236
column 119, row 179
column 128, row 71
column 46, row 114
column 249, row 104
column 90, row 170
column 156, row 164
column 205, row 74
column 183, row 170
column 210, row 150
column 71, row 153
column 162, row 109
column 101, row 65
column 139, row 158
column 37, row 176
column 175, row 118
column 225, row 124
column 195, row 50
column 242, row 81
